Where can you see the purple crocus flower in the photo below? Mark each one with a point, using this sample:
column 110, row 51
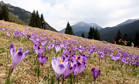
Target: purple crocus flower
column 66, row 51
column 3, row 29
column 8, row 33
column 42, row 59
column 50, row 46
column 80, row 66
column 17, row 57
column 95, row 73
column 59, row 66
column 68, row 71
column 38, row 50
column 115, row 58
column 57, row 48
column 43, row 42
column 101, row 53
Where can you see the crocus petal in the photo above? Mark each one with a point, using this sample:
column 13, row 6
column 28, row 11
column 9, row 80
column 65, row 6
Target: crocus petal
column 95, row 73
column 42, row 59
column 12, row 50
column 17, row 59
column 24, row 54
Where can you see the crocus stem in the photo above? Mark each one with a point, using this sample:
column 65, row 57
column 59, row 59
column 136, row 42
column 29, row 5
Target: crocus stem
column 63, row 81
column 11, row 71
column 8, row 77
column 55, row 80
column 74, row 80
column 94, row 82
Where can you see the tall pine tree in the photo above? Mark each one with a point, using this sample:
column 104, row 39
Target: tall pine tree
column 118, row 36
column 91, row 33
column 83, row 35
column 136, row 39
column 35, row 20
column 69, row 29
column 125, row 37
column 96, row 34
column 4, row 13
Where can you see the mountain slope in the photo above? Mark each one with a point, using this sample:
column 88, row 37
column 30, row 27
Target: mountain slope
column 127, row 22
column 82, row 27
column 109, row 33
column 23, row 14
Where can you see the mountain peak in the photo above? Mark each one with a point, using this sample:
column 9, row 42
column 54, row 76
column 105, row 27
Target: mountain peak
column 81, row 24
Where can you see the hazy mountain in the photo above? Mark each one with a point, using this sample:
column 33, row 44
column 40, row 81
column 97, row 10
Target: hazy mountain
column 126, row 22
column 82, row 27
column 129, row 27
column 23, row 14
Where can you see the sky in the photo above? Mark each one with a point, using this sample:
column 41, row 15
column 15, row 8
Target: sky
column 102, row 12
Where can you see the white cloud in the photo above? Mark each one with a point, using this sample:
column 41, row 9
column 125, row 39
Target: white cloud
column 103, row 12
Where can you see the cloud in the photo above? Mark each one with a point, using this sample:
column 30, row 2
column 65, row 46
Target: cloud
column 103, row 12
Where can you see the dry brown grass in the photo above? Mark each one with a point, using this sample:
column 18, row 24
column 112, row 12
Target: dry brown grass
column 111, row 71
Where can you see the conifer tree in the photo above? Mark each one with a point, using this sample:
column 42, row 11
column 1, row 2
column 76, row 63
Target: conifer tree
column 4, row 13
column 96, row 34
column 35, row 20
column 118, row 36
column 32, row 19
column 136, row 39
column 42, row 19
column 125, row 37
column 83, row 35
column 69, row 29
column 91, row 33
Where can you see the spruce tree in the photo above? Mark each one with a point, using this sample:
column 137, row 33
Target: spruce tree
column 96, row 34
column 37, row 20
column 32, row 19
column 69, row 29
column 91, row 33
column 5, row 13
column 136, row 39
column 83, row 35
column 125, row 37
column 118, row 36
column 42, row 19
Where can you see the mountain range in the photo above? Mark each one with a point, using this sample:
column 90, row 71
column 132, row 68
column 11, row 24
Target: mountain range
column 130, row 27
column 23, row 14
column 82, row 27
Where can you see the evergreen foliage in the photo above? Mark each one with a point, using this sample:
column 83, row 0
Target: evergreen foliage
column 83, row 35
column 36, row 20
column 4, row 13
column 69, row 29
column 93, row 34
column 96, row 34
column 118, row 36
column 136, row 39
column 125, row 37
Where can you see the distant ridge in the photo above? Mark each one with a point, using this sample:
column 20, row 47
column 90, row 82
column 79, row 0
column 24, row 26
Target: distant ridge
column 82, row 27
column 129, row 27
column 23, row 14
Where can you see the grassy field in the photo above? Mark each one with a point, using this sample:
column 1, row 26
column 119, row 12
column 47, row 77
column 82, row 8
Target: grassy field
column 111, row 72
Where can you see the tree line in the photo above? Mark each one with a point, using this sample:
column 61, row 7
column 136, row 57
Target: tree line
column 4, row 13
column 125, row 37
column 36, row 20
column 92, row 34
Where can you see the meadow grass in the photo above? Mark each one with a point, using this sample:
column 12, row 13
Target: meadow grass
column 112, row 72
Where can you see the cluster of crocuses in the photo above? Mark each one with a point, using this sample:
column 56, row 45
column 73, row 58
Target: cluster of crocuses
column 70, row 61
column 67, row 64
column 116, row 55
